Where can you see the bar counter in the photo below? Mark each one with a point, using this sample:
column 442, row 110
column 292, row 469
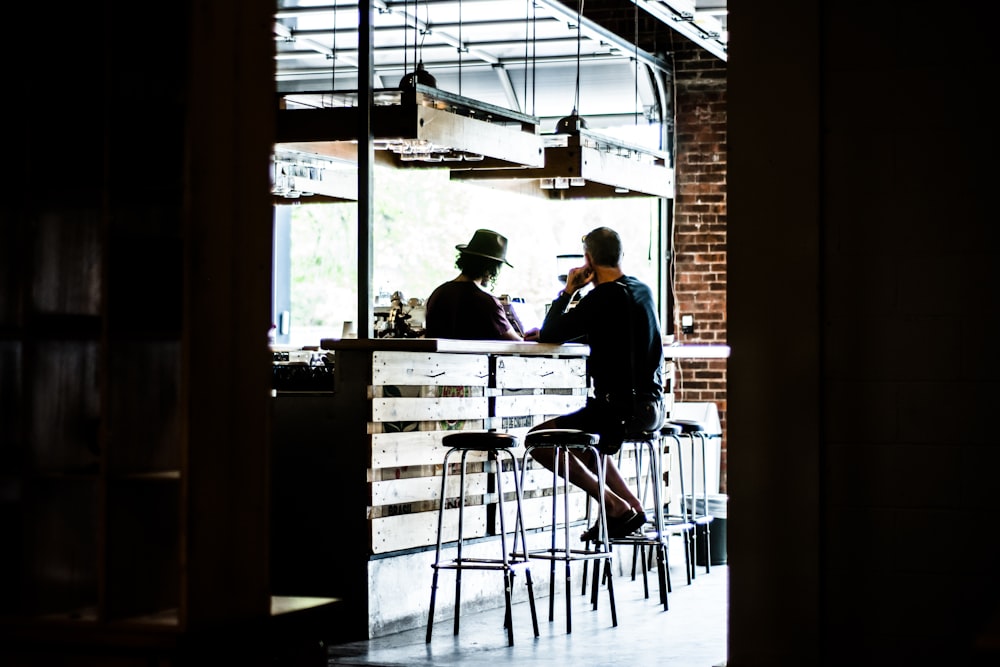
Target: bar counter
column 356, row 470
column 697, row 351
column 453, row 346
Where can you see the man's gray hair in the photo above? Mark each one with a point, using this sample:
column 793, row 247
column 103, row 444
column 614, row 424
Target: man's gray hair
column 604, row 246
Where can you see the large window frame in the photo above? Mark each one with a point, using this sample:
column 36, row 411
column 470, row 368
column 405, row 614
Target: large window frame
column 418, row 218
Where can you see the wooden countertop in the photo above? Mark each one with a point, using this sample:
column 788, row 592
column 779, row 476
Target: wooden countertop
column 674, row 351
column 525, row 348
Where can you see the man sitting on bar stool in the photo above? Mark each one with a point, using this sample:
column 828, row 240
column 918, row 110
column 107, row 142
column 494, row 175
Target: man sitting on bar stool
column 617, row 319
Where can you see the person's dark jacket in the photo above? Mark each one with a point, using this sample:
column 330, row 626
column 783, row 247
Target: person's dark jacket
column 460, row 309
column 604, row 319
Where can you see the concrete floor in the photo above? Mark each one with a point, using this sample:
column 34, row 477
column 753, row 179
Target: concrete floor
column 691, row 633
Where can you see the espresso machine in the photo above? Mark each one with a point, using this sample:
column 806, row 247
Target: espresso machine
column 402, row 318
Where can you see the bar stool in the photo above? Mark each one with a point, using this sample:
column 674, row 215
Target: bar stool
column 494, row 444
column 562, row 442
column 695, row 430
column 649, row 442
column 678, row 523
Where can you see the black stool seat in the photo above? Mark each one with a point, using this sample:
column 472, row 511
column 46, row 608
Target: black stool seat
column 480, row 441
column 671, row 428
column 687, row 425
column 562, row 437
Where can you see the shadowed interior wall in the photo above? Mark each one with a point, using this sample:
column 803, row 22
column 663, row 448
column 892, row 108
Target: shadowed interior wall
column 861, row 315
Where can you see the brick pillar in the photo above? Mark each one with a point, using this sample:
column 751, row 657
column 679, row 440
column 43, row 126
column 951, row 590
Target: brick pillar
column 699, row 265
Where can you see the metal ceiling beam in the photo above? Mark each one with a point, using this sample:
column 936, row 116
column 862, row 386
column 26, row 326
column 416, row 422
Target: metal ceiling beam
column 429, row 28
column 320, row 49
column 554, row 9
column 679, row 15
column 598, row 33
column 503, row 77
column 384, row 69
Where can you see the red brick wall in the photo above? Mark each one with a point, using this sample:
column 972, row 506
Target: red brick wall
column 699, row 268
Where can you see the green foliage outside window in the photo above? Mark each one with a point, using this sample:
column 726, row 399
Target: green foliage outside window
column 420, row 216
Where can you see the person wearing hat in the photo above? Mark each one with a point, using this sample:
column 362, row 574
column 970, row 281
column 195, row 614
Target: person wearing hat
column 463, row 307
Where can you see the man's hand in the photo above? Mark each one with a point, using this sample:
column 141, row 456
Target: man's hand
column 578, row 278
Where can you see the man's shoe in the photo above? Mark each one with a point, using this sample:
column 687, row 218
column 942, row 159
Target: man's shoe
column 592, row 533
column 618, row 526
column 626, row 524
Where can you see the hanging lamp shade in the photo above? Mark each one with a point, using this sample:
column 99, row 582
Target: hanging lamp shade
column 414, row 125
column 571, row 123
column 581, row 164
column 419, row 75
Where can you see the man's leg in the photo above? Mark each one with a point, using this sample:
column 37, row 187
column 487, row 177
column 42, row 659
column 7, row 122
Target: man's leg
column 584, row 476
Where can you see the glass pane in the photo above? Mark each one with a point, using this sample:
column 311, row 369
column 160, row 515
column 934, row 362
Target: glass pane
column 419, row 218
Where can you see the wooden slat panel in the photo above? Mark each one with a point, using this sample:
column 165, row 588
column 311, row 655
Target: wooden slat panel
column 536, row 480
column 416, row 448
column 411, row 448
column 399, row 491
column 545, row 404
column 417, row 368
column 428, row 409
column 520, row 372
column 393, row 533
column 426, row 391
column 375, row 428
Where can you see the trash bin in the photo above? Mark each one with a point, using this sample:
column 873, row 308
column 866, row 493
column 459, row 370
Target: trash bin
column 717, row 506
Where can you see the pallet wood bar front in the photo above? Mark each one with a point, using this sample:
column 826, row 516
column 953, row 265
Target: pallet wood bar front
column 365, row 511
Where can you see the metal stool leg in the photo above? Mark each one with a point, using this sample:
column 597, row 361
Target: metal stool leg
column 437, row 552
column 707, row 520
column 461, row 538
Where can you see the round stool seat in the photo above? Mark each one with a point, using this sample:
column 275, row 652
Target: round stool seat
column 669, row 428
column 563, row 437
column 481, row 441
column 641, row 436
column 688, row 425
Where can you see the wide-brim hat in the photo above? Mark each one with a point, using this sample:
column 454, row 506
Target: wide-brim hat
column 486, row 243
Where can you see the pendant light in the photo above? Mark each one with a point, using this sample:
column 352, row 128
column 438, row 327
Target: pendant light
column 581, row 164
column 419, row 74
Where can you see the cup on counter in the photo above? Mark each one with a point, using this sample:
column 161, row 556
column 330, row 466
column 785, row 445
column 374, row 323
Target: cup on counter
column 350, row 331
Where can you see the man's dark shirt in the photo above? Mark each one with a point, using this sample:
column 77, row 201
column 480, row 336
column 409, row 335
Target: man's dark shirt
column 601, row 319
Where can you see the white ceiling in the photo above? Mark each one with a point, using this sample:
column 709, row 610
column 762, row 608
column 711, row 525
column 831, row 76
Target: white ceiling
column 520, row 55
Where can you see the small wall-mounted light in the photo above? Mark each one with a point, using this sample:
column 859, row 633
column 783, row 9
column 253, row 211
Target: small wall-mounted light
column 687, row 324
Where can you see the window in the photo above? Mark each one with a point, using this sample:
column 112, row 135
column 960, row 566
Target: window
column 419, row 218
